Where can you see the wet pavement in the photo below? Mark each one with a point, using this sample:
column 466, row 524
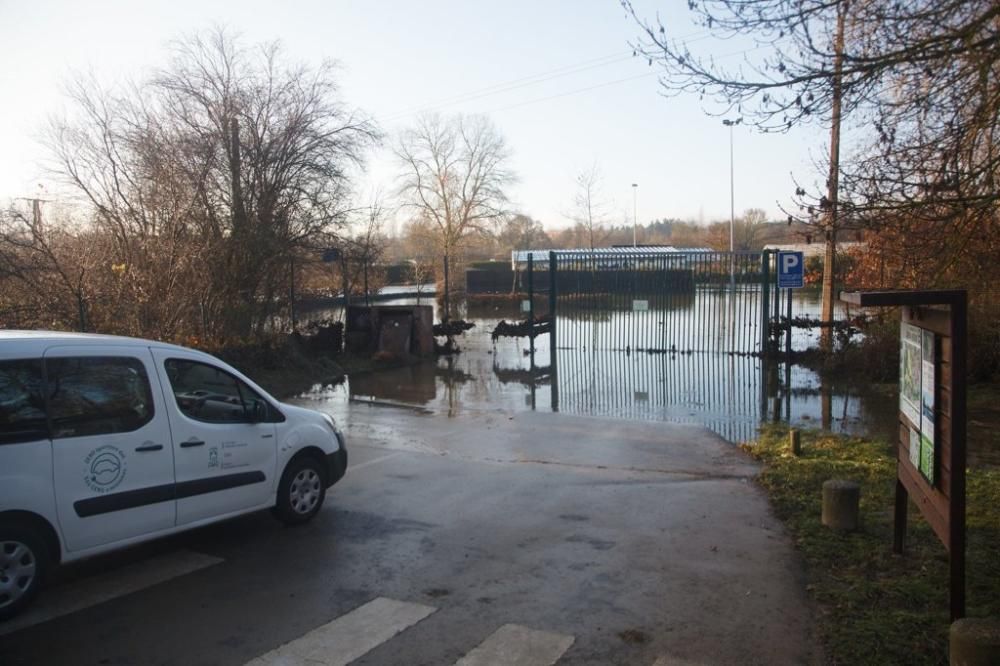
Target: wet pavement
column 595, row 541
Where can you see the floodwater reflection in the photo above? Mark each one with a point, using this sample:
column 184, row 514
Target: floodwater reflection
column 730, row 394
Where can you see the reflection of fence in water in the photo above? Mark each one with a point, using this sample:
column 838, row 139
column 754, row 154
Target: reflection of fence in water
column 722, row 392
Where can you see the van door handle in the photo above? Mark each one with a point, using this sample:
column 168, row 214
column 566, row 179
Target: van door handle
column 149, row 446
column 192, row 442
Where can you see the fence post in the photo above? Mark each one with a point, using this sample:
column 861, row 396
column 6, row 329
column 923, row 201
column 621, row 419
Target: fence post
column 552, row 331
column 531, row 311
column 765, row 310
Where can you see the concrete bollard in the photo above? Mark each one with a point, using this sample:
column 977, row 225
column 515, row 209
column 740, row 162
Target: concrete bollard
column 840, row 504
column 974, row 642
column 795, row 441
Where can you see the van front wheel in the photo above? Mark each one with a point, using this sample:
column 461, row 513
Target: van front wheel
column 301, row 491
column 23, row 565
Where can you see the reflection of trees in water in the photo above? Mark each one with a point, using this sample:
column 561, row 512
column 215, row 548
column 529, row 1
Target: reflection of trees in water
column 451, row 375
column 412, row 383
column 453, row 378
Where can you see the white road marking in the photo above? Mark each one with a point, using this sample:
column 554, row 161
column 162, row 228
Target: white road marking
column 75, row 596
column 354, row 468
column 518, row 646
column 349, row 636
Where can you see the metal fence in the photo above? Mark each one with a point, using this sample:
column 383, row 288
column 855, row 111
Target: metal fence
column 683, row 302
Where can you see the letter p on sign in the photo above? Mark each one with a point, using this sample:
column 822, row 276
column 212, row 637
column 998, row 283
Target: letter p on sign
column 790, row 270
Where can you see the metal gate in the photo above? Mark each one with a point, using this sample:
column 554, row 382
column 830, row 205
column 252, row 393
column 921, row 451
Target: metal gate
column 640, row 300
column 654, row 333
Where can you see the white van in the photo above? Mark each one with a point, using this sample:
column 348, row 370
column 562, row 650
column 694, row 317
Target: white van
column 108, row 441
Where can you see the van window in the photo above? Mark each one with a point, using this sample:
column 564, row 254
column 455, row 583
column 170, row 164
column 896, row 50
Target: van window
column 97, row 395
column 207, row 393
column 22, row 402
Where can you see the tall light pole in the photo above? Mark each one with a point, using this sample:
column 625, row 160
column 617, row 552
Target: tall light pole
column 732, row 190
column 635, row 219
column 732, row 207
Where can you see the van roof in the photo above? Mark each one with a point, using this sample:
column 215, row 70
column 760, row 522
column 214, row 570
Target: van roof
column 33, row 341
column 32, row 344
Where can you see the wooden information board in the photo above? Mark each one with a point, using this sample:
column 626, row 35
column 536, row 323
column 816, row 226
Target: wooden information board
column 930, row 453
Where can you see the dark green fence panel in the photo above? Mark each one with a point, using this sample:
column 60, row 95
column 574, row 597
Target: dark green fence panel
column 681, row 302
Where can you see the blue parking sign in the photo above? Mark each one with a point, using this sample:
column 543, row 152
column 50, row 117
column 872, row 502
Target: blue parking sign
column 790, row 270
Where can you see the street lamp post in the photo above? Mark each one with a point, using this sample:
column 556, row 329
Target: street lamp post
column 635, row 222
column 732, row 192
column 732, row 206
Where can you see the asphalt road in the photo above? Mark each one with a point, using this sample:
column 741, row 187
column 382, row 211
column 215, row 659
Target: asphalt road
column 489, row 538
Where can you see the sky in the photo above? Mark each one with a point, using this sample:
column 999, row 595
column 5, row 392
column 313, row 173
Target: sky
column 556, row 77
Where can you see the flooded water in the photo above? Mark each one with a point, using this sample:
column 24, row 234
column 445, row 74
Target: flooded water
column 731, row 393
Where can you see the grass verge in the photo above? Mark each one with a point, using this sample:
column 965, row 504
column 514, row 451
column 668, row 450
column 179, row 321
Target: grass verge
column 876, row 607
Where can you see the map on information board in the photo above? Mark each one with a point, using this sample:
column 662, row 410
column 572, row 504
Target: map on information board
column 917, row 380
column 910, row 370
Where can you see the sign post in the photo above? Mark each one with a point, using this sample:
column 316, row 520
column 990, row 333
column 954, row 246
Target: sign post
column 791, row 275
column 930, row 454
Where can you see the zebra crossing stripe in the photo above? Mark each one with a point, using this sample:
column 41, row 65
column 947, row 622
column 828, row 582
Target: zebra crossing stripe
column 515, row 645
column 348, row 637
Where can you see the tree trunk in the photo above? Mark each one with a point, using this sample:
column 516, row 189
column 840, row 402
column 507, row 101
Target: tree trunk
column 241, row 316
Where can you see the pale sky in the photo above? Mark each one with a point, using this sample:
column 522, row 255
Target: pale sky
column 556, row 77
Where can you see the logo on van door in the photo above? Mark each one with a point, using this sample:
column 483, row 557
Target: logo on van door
column 105, row 468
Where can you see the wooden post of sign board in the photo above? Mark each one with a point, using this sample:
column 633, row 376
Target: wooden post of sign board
column 959, row 346
column 940, row 496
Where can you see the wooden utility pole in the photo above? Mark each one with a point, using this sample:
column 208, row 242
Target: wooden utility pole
column 830, row 227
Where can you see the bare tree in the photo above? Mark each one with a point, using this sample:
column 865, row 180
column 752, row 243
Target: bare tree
column 520, row 232
column 747, row 231
column 44, row 271
column 454, row 177
column 590, row 211
column 886, row 64
column 211, row 173
column 361, row 249
column 930, row 172
column 800, row 77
